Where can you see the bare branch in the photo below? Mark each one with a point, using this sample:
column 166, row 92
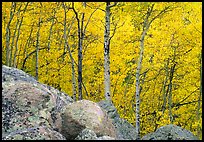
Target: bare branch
column 89, row 20
column 97, row 7
column 112, row 5
column 161, row 12
column 24, row 61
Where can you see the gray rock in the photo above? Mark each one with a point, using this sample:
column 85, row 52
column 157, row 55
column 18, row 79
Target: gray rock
column 170, row 132
column 86, row 134
column 109, row 108
column 124, row 129
column 14, row 74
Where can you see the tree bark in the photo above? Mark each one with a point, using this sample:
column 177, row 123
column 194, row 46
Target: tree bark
column 37, row 46
column 138, row 70
column 146, row 26
column 18, row 26
column 107, row 53
column 80, row 43
column 50, row 34
column 170, row 93
column 16, row 50
column 199, row 99
column 164, row 88
column 81, row 34
column 12, row 44
column 25, row 54
column 8, row 50
column 70, row 55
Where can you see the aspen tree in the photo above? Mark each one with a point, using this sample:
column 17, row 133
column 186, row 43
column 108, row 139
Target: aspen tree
column 66, row 44
column 37, row 44
column 145, row 27
column 15, row 64
column 8, row 34
column 107, row 51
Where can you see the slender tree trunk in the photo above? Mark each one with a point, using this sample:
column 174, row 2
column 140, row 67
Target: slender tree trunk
column 80, row 43
column 8, row 50
column 16, row 50
column 107, row 38
column 146, row 26
column 27, row 45
column 107, row 53
column 50, row 34
column 138, row 70
column 73, row 75
column 164, row 88
column 24, row 10
column 199, row 99
column 170, row 93
column 172, row 70
column 37, row 48
column 12, row 44
column 18, row 34
column 70, row 55
column 81, row 34
column 49, row 41
column 80, row 39
column 170, row 102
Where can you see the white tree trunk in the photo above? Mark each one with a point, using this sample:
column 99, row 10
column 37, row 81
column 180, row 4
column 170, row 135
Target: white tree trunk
column 107, row 53
column 146, row 26
column 138, row 70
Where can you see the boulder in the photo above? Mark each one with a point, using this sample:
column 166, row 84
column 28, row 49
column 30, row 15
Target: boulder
column 12, row 74
column 86, row 114
column 124, row 129
column 24, row 105
column 27, row 104
column 170, row 132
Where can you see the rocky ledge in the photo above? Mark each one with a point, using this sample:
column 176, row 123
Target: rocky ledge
column 35, row 111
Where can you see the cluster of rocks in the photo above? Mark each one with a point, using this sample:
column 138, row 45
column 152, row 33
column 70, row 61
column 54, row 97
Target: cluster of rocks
column 31, row 110
column 35, row 111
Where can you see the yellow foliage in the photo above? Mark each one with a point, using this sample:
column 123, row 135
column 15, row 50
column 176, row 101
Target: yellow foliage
column 175, row 36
